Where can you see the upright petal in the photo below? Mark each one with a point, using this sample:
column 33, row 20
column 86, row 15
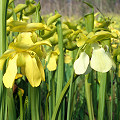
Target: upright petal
column 10, row 74
column 100, row 61
column 81, row 64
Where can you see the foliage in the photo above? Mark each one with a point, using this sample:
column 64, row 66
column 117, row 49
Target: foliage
column 54, row 69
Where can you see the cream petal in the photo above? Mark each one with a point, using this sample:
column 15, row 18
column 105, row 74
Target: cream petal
column 100, row 61
column 81, row 64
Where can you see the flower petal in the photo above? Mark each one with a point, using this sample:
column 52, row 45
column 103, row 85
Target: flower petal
column 81, row 64
column 52, row 65
column 42, row 73
column 100, row 61
column 10, row 74
column 4, row 57
column 32, row 71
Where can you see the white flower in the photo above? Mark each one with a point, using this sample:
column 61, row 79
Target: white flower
column 101, row 61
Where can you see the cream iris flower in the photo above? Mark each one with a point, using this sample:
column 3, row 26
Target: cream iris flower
column 100, row 61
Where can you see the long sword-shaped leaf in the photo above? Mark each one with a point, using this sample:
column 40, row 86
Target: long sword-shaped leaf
column 101, row 104
column 3, row 11
column 60, row 62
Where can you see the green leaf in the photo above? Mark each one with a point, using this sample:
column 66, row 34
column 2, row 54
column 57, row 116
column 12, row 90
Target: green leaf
column 88, row 93
column 102, row 89
column 11, row 105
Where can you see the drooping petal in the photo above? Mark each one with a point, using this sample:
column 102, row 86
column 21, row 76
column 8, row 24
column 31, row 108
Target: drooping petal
column 10, row 74
column 100, row 61
column 67, row 59
column 81, row 64
column 4, row 57
column 42, row 73
column 20, row 60
column 52, row 65
column 52, row 61
column 32, row 71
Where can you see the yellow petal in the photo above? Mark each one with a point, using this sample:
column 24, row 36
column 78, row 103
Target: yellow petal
column 4, row 57
column 12, row 23
column 100, row 61
column 44, row 42
column 18, row 76
column 19, row 7
column 81, row 64
column 28, row 27
column 11, row 71
column 25, row 38
column 81, row 40
column 20, row 60
column 32, row 71
column 34, row 37
column 52, row 64
column 53, row 19
column 19, row 46
column 42, row 73
column 67, row 59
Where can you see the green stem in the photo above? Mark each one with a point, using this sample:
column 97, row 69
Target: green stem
column 70, row 97
column 3, row 14
column 14, row 14
column 61, row 97
column 34, row 98
column 53, row 91
column 38, row 17
column 50, row 90
column 71, row 90
column 64, row 91
column 88, row 93
column 11, row 105
column 60, row 62
column 111, row 95
column 21, row 105
column 29, row 108
column 94, row 91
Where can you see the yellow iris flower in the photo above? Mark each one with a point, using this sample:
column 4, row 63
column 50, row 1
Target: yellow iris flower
column 22, row 53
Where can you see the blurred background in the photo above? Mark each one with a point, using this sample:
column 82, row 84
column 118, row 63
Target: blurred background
column 77, row 7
